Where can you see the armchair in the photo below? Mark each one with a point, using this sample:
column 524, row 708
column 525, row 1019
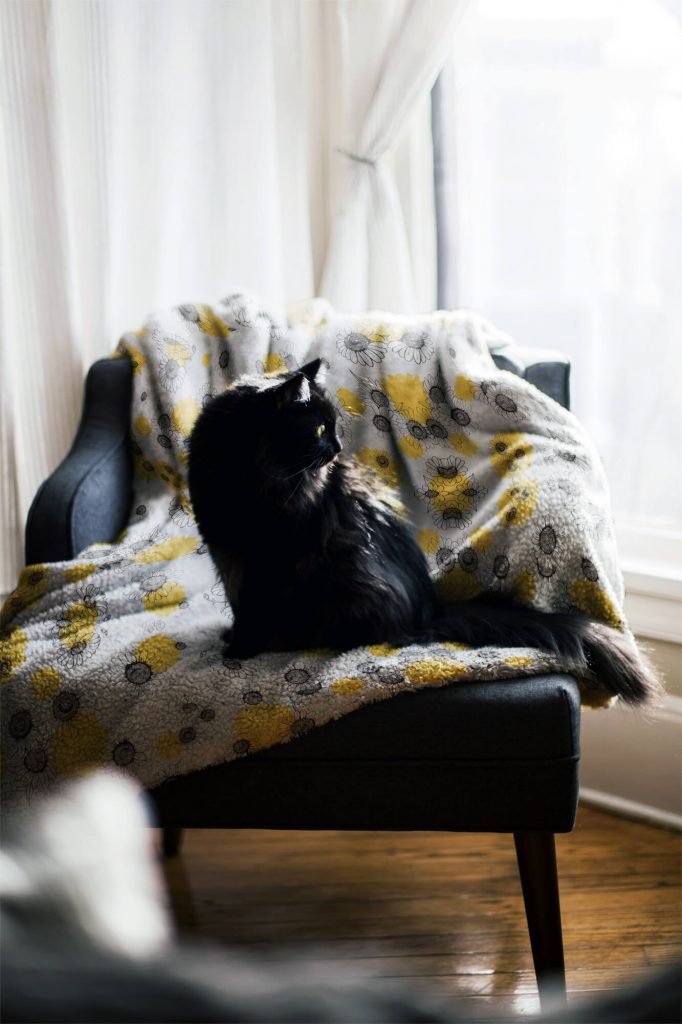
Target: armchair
column 489, row 756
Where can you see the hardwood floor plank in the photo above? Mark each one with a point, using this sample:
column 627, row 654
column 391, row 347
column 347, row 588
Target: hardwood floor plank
column 663, row 954
column 439, row 910
column 463, row 949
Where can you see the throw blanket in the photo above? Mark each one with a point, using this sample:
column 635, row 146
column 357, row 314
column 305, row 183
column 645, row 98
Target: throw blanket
column 116, row 657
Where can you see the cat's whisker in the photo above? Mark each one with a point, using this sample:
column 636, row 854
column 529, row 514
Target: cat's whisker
column 309, row 465
column 292, row 493
column 298, row 485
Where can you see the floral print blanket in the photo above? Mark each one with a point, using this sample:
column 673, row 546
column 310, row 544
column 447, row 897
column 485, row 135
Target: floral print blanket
column 115, row 657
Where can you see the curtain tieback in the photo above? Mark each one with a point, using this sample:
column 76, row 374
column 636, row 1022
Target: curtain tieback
column 356, row 156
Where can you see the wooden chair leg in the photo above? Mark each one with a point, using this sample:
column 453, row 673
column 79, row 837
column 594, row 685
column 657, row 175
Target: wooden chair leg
column 536, row 856
column 171, row 841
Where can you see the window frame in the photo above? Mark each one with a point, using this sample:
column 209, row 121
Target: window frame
column 651, row 558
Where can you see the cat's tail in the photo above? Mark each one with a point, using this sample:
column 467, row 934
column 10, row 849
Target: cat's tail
column 589, row 649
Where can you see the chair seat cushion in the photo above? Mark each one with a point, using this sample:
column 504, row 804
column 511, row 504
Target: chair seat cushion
column 512, row 719
column 486, row 756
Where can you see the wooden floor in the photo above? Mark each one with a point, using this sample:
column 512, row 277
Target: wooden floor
column 441, row 910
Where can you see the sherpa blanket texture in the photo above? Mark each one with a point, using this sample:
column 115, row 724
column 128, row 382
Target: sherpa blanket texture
column 115, row 657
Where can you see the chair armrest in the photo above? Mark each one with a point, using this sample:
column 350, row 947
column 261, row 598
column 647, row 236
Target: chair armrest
column 546, row 368
column 88, row 496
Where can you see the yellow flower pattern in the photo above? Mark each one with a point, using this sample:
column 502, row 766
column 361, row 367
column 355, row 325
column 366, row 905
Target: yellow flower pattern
column 165, row 600
column 519, row 660
column 184, row 415
column 518, row 502
column 348, row 687
column 148, row 469
column 510, row 453
column 211, row 324
column 592, row 600
column 79, row 746
column 169, row 746
column 160, row 652
column 75, row 573
column 32, row 585
column 382, row 650
column 481, row 539
column 142, row 426
column 411, row 447
column 408, row 393
column 274, row 363
column 451, row 492
column 178, row 351
column 464, row 388
column 167, row 550
column 46, row 682
column 138, row 360
column 13, row 644
column 78, row 624
column 523, row 586
column 264, row 725
column 434, row 671
column 463, row 444
column 351, row 402
column 381, row 463
column 429, row 541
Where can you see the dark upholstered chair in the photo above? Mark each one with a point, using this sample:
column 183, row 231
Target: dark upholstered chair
column 472, row 757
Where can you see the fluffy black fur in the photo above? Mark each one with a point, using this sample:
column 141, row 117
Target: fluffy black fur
column 312, row 554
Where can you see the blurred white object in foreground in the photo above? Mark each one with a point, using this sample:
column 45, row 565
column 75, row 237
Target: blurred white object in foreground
column 82, row 862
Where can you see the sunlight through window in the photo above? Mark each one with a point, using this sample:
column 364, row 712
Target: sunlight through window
column 568, row 179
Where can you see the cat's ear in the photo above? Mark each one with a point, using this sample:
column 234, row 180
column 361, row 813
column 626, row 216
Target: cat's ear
column 312, row 369
column 292, row 391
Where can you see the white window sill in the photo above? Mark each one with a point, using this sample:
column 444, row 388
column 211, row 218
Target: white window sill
column 653, row 601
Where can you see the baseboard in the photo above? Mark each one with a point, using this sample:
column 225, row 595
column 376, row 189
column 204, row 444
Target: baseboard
column 630, row 809
column 631, row 762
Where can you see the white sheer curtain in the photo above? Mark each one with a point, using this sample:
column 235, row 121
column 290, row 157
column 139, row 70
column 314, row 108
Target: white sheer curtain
column 386, row 58
column 149, row 152
column 155, row 152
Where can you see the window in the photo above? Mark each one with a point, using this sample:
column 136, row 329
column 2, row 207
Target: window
column 564, row 174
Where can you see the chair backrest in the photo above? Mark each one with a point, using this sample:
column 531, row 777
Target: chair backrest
column 88, row 496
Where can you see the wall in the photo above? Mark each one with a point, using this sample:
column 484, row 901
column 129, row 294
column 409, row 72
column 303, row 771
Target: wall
column 631, row 762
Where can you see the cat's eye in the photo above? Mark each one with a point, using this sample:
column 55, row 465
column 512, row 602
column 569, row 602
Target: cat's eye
column 321, row 429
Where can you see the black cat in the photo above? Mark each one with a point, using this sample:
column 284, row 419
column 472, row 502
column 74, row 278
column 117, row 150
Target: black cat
column 313, row 554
